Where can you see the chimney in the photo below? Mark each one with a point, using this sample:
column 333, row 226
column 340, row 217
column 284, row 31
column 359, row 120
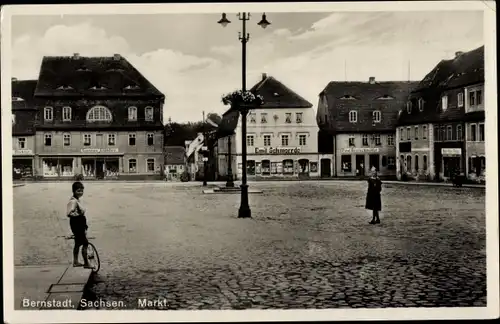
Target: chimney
column 459, row 53
column 371, row 80
column 264, row 76
column 117, row 57
column 76, row 56
column 14, row 79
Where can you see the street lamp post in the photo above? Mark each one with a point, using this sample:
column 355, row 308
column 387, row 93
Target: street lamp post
column 244, row 211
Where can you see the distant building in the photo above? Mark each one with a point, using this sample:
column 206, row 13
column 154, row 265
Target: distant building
column 281, row 135
column 175, row 162
column 361, row 118
column 97, row 116
column 23, row 128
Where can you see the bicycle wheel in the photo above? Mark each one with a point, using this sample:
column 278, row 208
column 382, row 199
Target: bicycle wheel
column 93, row 257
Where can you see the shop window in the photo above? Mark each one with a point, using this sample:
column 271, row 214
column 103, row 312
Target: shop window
column 88, row 167
column 132, row 165
column 111, row 139
column 87, row 139
column 250, row 167
column 54, row 167
column 365, row 139
column 352, row 141
column 66, row 167
column 481, row 132
column 48, row 113
column 151, row 139
column 284, row 140
column 24, row 167
column 151, row 165
column 304, row 166
column 346, row 164
column 111, row 167
column 266, row 167
column 21, row 143
column 459, row 132
column 250, row 140
column 132, row 113
column 149, row 113
column 473, row 133
column 131, row 139
column 424, row 132
column 390, row 140
column 298, row 118
column 267, row 140
column 48, row 139
column 302, row 140
column 288, row 118
column 287, row 166
column 66, row 139
column 66, row 114
column 50, row 167
column 424, row 158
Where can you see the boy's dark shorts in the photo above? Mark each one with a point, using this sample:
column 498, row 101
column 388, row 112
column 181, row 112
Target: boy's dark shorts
column 78, row 227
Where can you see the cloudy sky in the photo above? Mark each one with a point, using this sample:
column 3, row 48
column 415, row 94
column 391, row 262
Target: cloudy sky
column 193, row 60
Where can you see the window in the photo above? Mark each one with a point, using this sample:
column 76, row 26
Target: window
column 376, row 115
column 473, row 133
column 111, row 139
column 416, row 163
column 132, row 165
column 416, row 132
column 252, row 118
column 132, row 113
column 267, row 140
column 352, row 140
column 424, row 132
column 131, row 139
column 449, row 133
column 87, row 139
column 376, row 139
column 481, row 132
column 66, row 113
column 99, row 113
column 250, row 140
column 151, row 139
column 472, row 98
column 21, row 143
column 48, row 139
column 401, row 134
column 266, row 167
column 408, row 107
column 288, row 118
column 444, row 102
column 284, row 140
column 345, row 161
column 460, row 99
column 353, row 116
column 287, row 166
column 408, row 133
column 459, row 132
column 479, row 97
column 425, row 162
column 365, row 139
column 421, row 104
column 443, row 133
column 302, row 140
column 66, row 139
column 148, row 113
column 48, row 113
column 391, row 161
column 263, row 118
column 298, row 118
column 150, row 165
column 250, row 167
column 390, row 140
column 384, row 161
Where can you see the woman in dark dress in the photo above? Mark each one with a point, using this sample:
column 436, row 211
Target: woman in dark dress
column 373, row 200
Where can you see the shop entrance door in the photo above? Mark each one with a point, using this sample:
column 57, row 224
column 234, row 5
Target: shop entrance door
column 99, row 169
column 451, row 165
column 360, row 165
column 326, row 169
column 375, row 161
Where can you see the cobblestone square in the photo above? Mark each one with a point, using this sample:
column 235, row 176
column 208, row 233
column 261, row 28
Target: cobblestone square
column 308, row 245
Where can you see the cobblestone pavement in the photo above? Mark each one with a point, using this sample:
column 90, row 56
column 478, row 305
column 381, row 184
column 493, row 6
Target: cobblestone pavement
column 308, row 245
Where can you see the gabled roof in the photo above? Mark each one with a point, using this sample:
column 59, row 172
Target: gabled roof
column 367, row 99
column 228, row 123
column 277, row 95
column 465, row 69
column 23, row 94
column 174, row 155
column 92, row 76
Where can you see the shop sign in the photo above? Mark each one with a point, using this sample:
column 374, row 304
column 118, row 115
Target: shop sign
column 356, row 150
column 451, row 151
column 277, row 150
column 99, row 150
column 22, row 152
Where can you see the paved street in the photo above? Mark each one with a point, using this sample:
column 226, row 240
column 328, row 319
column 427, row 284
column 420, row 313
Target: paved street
column 308, row 245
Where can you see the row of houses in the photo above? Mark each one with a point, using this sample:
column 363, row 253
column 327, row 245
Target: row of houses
column 425, row 129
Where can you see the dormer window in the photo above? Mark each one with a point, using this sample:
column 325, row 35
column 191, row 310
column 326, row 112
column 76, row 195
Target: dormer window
column 408, row 106
column 83, row 68
column 65, row 87
column 98, row 87
column 132, row 87
column 276, row 94
column 421, row 104
column 385, row 97
column 460, row 99
column 348, row 97
column 353, row 116
column 17, row 99
column 444, row 102
column 376, row 116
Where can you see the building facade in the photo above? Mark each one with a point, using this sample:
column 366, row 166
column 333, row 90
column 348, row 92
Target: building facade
column 475, row 135
column 361, row 118
column 23, row 130
column 99, row 117
column 282, row 136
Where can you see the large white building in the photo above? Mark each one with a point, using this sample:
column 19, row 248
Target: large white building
column 282, row 136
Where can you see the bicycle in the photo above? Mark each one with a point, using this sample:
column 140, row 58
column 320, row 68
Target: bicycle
column 92, row 255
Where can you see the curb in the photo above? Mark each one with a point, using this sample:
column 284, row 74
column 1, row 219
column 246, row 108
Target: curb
column 71, row 288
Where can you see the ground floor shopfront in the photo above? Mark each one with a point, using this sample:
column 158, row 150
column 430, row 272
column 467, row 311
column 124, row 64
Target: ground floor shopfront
column 449, row 159
column 476, row 161
column 355, row 161
column 99, row 166
column 23, row 164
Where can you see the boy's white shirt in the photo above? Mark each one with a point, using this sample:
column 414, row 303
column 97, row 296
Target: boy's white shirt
column 71, row 209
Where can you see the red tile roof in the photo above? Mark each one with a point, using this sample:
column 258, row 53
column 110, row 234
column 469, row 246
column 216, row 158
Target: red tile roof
column 80, row 76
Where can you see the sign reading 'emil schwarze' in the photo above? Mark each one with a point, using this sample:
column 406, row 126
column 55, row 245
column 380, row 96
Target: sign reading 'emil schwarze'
column 277, row 150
